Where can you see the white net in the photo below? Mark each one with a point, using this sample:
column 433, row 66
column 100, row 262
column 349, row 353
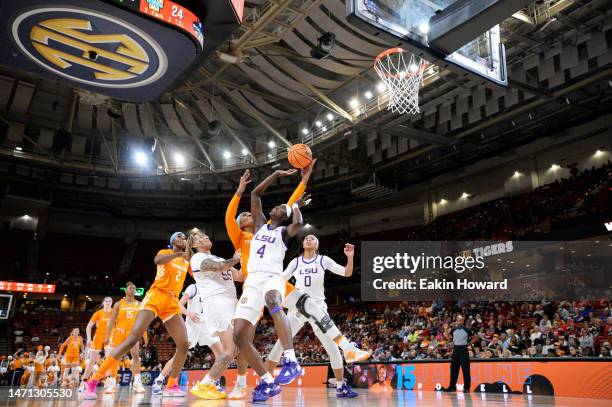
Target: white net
column 402, row 73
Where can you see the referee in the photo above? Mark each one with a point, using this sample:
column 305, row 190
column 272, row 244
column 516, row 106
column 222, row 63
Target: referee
column 460, row 337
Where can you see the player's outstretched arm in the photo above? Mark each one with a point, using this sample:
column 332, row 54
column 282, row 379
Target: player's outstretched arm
column 301, row 188
column 258, row 217
column 165, row 258
column 232, row 227
column 237, row 275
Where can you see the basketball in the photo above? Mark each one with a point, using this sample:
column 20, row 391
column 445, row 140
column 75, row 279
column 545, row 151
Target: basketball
column 299, row 156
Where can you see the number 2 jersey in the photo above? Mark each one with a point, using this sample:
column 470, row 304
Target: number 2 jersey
column 211, row 283
column 310, row 274
column 267, row 251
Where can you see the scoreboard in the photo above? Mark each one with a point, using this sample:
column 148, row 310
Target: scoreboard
column 129, row 50
column 170, row 13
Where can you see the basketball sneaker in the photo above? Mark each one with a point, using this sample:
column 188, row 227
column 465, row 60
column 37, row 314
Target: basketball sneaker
column 207, row 391
column 345, row 391
column 158, row 387
column 82, row 387
column 174, row 391
column 138, row 388
column 90, row 390
column 238, row 393
column 263, row 391
column 288, row 372
column 356, row 355
column 110, row 386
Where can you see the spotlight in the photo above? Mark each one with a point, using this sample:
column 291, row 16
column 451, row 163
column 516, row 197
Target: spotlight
column 368, row 95
column 227, row 155
column 325, row 46
column 555, row 167
column 18, row 148
column 443, row 201
column 271, row 144
column 330, row 117
column 318, row 123
column 324, row 128
column 381, row 87
column 465, row 195
column 244, row 151
column 304, row 131
column 354, row 103
column 516, row 174
column 179, row 159
column 141, row 158
column 424, row 27
column 599, row 153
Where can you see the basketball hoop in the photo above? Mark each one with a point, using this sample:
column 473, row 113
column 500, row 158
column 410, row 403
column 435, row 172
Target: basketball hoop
column 402, row 73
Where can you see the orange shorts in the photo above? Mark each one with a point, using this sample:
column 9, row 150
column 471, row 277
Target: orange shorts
column 70, row 358
column 98, row 342
column 38, row 368
column 119, row 335
column 163, row 304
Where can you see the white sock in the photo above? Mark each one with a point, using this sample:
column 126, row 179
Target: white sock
column 137, row 379
column 241, row 380
column 290, row 354
column 345, row 345
column 267, row 378
column 339, row 383
column 206, row 379
column 160, row 378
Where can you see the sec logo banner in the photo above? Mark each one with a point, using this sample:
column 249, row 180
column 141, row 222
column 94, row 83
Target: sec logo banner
column 89, row 47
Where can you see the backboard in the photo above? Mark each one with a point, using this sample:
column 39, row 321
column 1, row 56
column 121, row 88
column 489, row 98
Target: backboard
column 408, row 21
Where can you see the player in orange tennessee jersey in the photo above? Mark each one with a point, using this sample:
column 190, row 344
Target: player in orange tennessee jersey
column 240, row 230
column 121, row 323
column 73, row 346
column 100, row 319
column 160, row 301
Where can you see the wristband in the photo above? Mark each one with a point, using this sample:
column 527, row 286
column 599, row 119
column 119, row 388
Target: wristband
column 295, row 206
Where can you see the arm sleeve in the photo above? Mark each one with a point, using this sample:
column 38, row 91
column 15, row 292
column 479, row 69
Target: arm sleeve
column 329, row 264
column 299, row 191
column 291, row 267
column 233, row 230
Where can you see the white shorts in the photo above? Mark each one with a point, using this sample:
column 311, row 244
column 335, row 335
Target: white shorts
column 198, row 334
column 219, row 312
column 253, row 299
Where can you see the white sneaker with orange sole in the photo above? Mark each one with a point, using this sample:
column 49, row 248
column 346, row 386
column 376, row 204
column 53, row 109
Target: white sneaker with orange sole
column 356, row 355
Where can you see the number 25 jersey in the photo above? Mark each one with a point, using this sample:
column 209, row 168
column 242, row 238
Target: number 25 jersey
column 267, row 251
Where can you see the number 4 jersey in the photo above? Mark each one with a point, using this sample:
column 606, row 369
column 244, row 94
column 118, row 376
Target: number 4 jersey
column 310, row 274
column 211, row 283
column 267, row 251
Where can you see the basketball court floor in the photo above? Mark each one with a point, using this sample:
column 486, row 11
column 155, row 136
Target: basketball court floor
column 321, row 397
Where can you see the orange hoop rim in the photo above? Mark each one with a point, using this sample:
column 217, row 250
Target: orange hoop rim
column 397, row 50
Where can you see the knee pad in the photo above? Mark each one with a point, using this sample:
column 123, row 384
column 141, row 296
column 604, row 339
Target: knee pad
column 301, row 305
column 324, row 324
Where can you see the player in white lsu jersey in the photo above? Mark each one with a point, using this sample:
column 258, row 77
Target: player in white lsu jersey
column 265, row 286
column 213, row 299
column 309, row 272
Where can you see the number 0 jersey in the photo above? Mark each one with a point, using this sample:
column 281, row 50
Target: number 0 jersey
column 310, row 274
column 211, row 283
column 267, row 251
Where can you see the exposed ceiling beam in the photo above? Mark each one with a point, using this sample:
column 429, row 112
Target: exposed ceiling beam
column 412, row 134
column 330, row 103
column 250, row 110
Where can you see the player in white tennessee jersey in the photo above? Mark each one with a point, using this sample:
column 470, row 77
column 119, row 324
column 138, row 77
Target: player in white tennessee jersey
column 309, row 272
column 265, row 286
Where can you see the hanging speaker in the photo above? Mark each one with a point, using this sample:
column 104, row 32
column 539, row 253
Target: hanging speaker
column 215, row 128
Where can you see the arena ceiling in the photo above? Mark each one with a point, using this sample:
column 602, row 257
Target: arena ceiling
column 264, row 87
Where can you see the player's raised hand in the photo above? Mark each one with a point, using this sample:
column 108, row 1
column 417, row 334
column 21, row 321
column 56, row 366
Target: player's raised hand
column 244, row 180
column 304, row 200
column 286, row 173
column 349, row 250
column 307, row 171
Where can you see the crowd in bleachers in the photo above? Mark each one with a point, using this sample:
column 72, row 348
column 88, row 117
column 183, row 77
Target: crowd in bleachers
column 407, row 331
